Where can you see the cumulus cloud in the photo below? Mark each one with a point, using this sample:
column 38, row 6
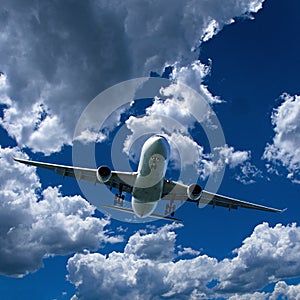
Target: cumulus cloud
column 192, row 75
column 171, row 115
column 38, row 130
column 233, row 158
column 239, row 162
column 269, row 255
column 248, row 173
column 158, row 246
column 281, row 290
column 186, row 154
column 285, row 148
column 177, row 112
column 188, row 251
column 4, row 99
column 245, row 171
column 252, row 296
column 90, row 136
column 134, row 273
column 62, row 54
column 36, row 223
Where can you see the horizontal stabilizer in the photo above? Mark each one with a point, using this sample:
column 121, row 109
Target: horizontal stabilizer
column 155, row 216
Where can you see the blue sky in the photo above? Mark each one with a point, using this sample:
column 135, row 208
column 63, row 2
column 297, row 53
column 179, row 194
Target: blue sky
column 242, row 58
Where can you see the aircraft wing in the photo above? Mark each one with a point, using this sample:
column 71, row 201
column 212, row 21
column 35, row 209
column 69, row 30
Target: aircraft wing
column 126, row 179
column 171, row 190
column 178, row 191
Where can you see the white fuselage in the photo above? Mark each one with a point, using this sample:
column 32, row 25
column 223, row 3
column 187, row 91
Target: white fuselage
column 148, row 186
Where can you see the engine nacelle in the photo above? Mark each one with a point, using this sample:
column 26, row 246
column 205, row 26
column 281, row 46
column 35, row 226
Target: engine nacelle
column 194, row 191
column 103, row 173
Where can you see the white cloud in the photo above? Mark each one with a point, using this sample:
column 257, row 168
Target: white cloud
column 175, row 113
column 233, row 158
column 269, row 255
column 158, row 246
column 192, row 75
column 211, row 30
column 139, row 271
column 252, row 296
column 186, row 151
column 281, row 291
column 285, row 148
column 188, row 251
column 90, row 136
column 173, row 116
column 248, row 173
column 168, row 116
column 35, row 223
column 36, row 128
column 286, row 291
column 50, row 57
column 245, row 171
column 237, row 160
column 3, row 90
column 145, row 269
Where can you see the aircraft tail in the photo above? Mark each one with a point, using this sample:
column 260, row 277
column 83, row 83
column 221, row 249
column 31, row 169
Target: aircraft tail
column 155, row 216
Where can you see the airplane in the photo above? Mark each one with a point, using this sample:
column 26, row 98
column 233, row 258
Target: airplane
column 148, row 185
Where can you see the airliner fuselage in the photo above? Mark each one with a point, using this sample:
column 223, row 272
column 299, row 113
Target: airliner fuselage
column 148, row 187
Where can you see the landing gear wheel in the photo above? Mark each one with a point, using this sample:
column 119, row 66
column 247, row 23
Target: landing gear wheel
column 170, row 209
column 119, row 200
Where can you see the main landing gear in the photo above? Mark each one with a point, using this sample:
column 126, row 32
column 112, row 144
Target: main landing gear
column 119, row 198
column 170, row 208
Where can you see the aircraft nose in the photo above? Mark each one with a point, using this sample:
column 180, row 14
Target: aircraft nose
column 161, row 138
column 162, row 143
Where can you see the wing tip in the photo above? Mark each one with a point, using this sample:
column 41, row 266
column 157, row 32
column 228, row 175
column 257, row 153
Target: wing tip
column 17, row 159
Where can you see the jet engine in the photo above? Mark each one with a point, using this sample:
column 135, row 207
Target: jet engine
column 103, row 173
column 194, row 191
